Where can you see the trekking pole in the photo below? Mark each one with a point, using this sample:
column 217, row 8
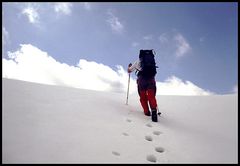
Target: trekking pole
column 128, row 87
column 158, row 112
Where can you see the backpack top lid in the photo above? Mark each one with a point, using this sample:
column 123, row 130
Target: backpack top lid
column 145, row 52
column 146, row 58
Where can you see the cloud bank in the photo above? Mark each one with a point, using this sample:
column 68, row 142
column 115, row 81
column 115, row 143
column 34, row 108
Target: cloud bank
column 29, row 63
column 176, row 86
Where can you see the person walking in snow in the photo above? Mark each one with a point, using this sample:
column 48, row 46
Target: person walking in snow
column 145, row 67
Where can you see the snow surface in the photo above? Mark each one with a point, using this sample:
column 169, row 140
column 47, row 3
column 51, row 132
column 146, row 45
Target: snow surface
column 53, row 124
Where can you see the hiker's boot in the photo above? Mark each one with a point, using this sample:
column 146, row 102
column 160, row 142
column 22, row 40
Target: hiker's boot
column 147, row 113
column 154, row 115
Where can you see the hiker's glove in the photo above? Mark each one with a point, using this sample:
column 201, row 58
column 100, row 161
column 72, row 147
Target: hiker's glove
column 129, row 71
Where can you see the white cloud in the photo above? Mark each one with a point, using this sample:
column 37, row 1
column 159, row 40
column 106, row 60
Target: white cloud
column 87, row 5
column 174, row 43
column 148, row 41
column 32, row 64
column 31, row 12
column 183, row 47
column 148, row 37
column 135, row 44
column 5, row 36
column 114, row 22
column 163, row 38
column 63, row 8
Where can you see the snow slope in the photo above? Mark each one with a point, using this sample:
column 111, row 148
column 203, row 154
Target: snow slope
column 53, row 124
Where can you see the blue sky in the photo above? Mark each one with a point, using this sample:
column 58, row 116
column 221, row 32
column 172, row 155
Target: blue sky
column 195, row 43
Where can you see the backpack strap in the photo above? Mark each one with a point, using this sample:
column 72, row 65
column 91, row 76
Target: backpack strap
column 137, row 71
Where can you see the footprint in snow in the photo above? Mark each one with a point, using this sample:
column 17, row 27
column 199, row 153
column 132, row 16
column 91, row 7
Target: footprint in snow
column 151, row 158
column 148, row 125
column 157, row 132
column 115, row 153
column 125, row 134
column 129, row 120
column 148, row 138
column 159, row 149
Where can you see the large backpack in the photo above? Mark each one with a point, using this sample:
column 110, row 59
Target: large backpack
column 148, row 64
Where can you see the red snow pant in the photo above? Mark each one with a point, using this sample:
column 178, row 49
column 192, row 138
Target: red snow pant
column 147, row 92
